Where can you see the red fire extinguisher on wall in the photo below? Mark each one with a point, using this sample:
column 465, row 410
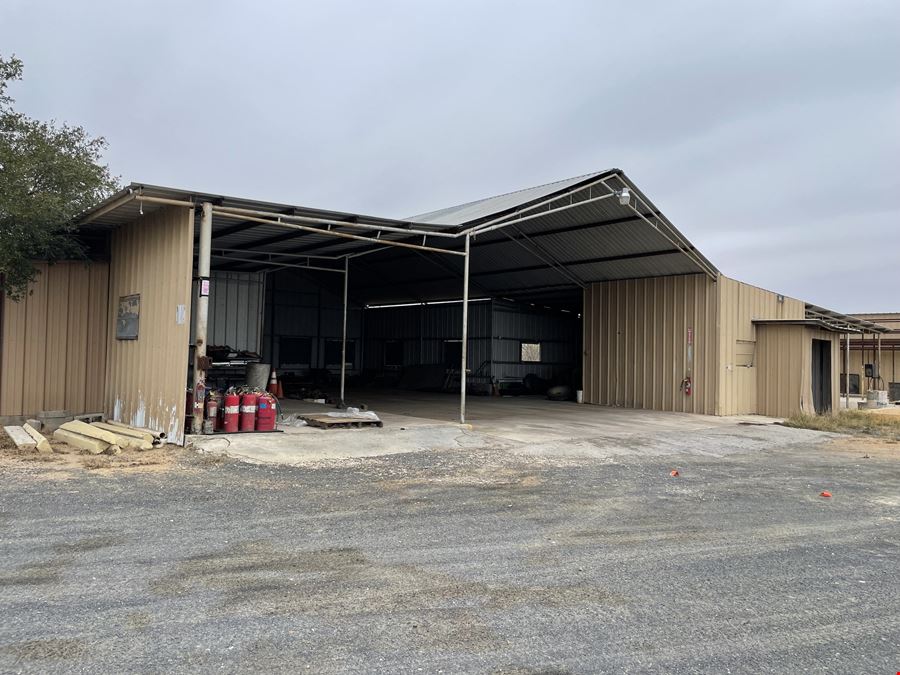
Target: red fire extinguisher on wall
column 265, row 413
column 686, row 385
column 248, row 411
column 232, row 406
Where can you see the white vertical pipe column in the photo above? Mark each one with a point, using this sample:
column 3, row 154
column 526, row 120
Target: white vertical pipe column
column 344, row 334
column 201, row 315
column 847, row 367
column 878, row 355
column 465, row 335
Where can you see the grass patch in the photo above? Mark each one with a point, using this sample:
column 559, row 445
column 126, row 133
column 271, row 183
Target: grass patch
column 850, row 422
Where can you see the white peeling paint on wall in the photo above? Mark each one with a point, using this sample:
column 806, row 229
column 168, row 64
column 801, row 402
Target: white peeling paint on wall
column 168, row 422
column 174, row 433
column 139, row 418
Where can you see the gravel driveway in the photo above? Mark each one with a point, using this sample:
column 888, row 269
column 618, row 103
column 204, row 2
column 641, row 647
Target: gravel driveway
column 475, row 560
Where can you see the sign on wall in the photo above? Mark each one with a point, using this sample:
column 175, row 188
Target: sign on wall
column 128, row 315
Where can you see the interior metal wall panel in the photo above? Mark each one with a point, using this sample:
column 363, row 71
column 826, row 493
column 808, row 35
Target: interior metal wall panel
column 637, row 335
column 147, row 377
column 424, row 329
column 236, row 302
column 54, row 342
column 556, row 331
column 296, row 307
column 496, row 331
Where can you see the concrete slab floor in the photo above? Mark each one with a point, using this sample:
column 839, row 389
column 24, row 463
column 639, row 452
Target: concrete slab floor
column 416, row 421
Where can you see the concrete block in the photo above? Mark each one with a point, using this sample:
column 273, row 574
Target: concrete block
column 20, row 437
column 43, row 445
column 86, row 429
column 134, row 442
column 89, row 417
column 123, row 430
column 93, row 445
column 112, row 450
column 35, row 424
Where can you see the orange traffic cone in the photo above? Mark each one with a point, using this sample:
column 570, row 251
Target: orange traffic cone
column 273, row 383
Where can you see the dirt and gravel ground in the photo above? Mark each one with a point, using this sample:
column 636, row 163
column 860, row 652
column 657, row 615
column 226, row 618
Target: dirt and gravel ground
column 475, row 559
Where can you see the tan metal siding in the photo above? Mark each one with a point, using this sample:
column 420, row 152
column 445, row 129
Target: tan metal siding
column 739, row 304
column 635, row 343
column 780, row 357
column 97, row 338
column 784, row 369
column 54, row 342
column 12, row 366
column 147, row 377
column 57, row 337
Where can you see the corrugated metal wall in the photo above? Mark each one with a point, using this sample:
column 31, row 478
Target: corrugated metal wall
column 557, row 332
column 147, row 377
column 236, row 304
column 424, row 329
column 784, row 369
column 54, row 342
column 780, row 353
column 297, row 307
column 739, row 304
column 636, row 335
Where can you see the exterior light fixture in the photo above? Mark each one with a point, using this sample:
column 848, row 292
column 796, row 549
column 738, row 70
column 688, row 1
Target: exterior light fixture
column 624, row 196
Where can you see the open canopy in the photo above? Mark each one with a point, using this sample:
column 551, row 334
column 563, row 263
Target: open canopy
column 546, row 242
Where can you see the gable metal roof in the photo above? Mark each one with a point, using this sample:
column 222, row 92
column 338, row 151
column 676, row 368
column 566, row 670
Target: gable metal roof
column 473, row 211
column 547, row 242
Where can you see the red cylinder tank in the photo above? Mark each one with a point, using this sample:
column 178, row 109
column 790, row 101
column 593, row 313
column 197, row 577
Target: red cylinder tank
column 232, row 409
column 213, row 404
column 265, row 413
column 248, row 411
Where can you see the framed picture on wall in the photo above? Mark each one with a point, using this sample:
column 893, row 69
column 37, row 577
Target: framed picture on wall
column 128, row 316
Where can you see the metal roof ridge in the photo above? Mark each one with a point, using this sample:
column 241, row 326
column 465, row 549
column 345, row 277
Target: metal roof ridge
column 462, row 205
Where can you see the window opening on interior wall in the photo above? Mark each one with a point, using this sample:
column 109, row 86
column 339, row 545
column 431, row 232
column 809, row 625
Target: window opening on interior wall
column 530, row 352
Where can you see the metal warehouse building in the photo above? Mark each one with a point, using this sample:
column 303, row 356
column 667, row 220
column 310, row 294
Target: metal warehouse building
column 873, row 359
column 582, row 281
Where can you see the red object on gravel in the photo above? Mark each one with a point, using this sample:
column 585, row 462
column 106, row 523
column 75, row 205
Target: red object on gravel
column 825, row 494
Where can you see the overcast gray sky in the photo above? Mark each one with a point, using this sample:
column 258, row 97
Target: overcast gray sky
column 768, row 132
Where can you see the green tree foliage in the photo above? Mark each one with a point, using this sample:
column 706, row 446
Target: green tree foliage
column 49, row 173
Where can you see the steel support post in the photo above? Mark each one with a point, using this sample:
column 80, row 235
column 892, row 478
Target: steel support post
column 201, row 314
column 344, row 333
column 847, row 368
column 465, row 334
column 878, row 356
